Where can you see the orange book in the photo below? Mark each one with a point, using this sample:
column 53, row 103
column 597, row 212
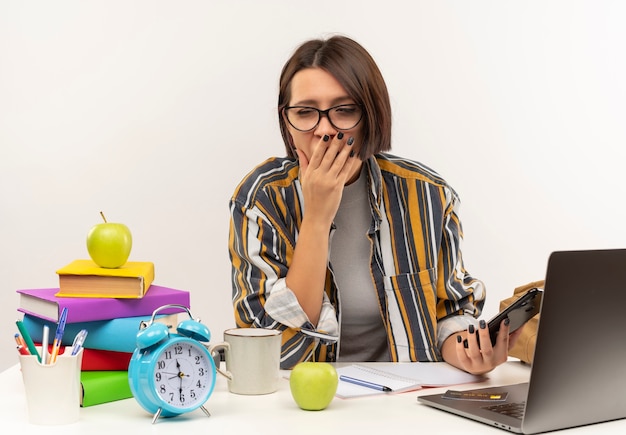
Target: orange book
column 84, row 278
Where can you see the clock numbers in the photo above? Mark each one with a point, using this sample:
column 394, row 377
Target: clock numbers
column 183, row 374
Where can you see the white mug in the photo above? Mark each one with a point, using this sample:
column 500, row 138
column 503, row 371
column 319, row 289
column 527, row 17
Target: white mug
column 252, row 359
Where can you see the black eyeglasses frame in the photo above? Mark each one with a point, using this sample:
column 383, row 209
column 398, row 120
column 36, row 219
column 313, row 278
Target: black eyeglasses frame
column 323, row 113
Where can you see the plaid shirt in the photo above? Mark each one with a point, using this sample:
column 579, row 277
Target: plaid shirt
column 416, row 266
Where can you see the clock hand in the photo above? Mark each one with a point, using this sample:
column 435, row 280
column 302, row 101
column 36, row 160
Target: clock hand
column 175, row 375
column 180, row 373
column 180, row 388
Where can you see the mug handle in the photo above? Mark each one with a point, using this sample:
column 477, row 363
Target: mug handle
column 213, row 348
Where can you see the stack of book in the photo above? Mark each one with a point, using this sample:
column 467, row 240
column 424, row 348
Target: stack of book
column 111, row 305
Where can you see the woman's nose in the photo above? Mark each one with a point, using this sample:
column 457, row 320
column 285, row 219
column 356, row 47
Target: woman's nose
column 325, row 127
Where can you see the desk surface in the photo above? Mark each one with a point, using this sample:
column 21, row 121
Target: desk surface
column 276, row 413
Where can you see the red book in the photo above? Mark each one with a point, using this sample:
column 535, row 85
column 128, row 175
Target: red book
column 44, row 304
column 95, row 360
column 101, row 360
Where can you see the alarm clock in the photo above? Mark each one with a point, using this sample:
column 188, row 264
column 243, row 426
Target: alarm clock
column 172, row 373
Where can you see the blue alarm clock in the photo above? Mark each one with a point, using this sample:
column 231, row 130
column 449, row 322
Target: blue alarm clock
column 172, row 373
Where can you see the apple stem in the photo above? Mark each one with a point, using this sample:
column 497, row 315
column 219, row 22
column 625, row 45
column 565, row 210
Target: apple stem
column 103, row 218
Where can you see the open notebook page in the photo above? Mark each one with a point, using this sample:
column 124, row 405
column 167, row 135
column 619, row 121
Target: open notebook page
column 400, row 377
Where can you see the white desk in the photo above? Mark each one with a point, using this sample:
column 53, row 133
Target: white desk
column 273, row 414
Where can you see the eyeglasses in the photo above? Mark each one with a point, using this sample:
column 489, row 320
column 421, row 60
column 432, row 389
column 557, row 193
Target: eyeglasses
column 342, row 117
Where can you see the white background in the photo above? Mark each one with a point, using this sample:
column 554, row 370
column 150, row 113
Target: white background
column 152, row 111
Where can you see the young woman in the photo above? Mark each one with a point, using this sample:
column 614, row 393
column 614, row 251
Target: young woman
column 355, row 254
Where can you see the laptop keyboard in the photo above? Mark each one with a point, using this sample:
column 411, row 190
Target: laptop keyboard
column 515, row 410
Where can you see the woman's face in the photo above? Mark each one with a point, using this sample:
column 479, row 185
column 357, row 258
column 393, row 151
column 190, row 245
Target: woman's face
column 315, row 87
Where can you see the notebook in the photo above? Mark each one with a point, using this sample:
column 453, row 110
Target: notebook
column 578, row 375
column 366, row 379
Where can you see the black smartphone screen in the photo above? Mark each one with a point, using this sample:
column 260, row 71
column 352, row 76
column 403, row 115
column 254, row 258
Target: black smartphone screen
column 519, row 312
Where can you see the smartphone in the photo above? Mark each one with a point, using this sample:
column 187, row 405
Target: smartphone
column 519, row 312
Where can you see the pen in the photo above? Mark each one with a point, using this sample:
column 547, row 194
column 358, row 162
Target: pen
column 58, row 336
column 78, row 341
column 44, row 344
column 29, row 341
column 365, row 383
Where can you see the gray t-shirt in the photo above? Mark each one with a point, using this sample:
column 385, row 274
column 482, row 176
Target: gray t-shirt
column 362, row 333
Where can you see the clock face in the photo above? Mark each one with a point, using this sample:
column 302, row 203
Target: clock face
column 183, row 375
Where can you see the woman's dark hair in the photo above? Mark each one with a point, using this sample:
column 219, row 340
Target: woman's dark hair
column 355, row 69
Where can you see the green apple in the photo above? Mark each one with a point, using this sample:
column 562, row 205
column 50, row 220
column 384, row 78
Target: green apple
column 109, row 244
column 313, row 385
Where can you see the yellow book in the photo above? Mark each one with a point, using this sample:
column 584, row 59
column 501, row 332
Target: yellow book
column 85, row 279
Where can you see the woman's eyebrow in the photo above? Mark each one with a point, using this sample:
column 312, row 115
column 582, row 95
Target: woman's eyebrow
column 315, row 103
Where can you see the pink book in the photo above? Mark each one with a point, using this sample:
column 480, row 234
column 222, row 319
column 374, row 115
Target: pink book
column 44, row 304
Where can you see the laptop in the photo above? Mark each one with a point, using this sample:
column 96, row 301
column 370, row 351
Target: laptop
column 578, row 375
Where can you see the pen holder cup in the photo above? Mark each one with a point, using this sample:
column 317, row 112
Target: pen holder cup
column 53, row 391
